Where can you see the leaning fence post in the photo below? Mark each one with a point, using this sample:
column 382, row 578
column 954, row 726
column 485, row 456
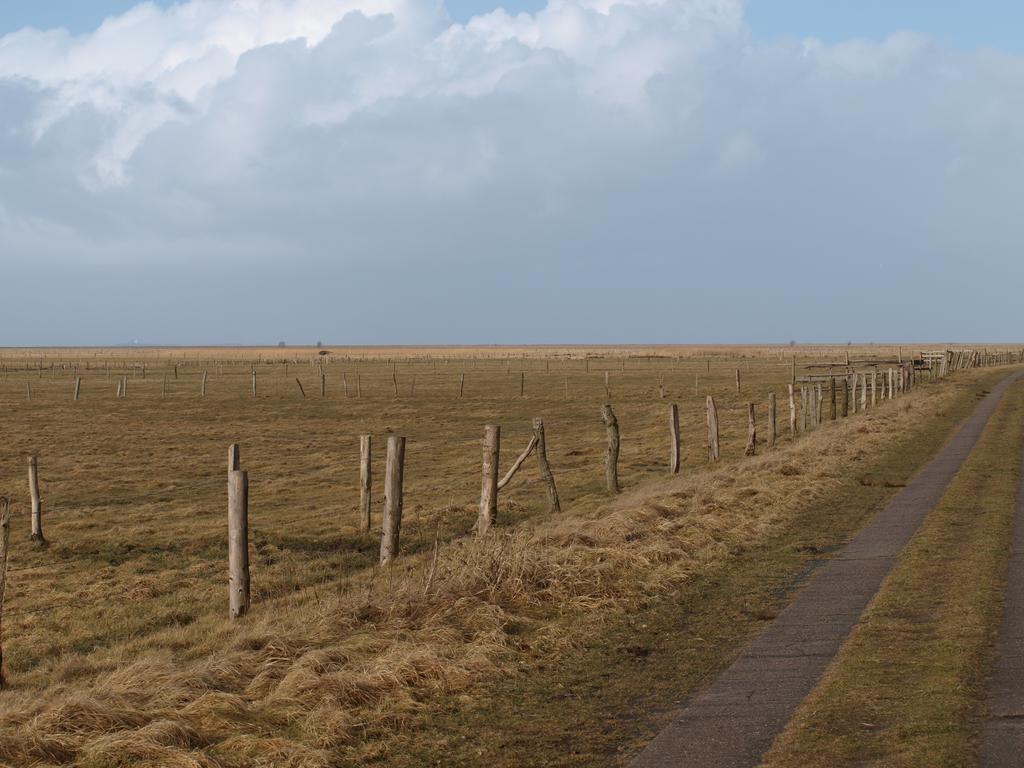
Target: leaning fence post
column 673, row 428
column 365, row 482
column 545, row 468
column 37, row 503
column 611, row 467
column 394, row 472
column 751, row 448
column 489, row 484
column 713, row 448
column 771, row 420
column 238, row 543
column 78, row 387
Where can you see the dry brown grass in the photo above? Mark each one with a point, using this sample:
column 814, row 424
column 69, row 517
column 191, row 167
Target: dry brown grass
column 118, row 648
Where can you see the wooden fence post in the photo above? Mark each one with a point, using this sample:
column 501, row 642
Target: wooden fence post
column 365, row 482
column 612, row 457
column 751, row 448
column 522, row 383
column 462, row 384
column 302, row 390
column 234, row 457
column 804, row 408
column 771, row 420
column 238, row 543
column 874, row 388
column 28, row 389
column 5, row 538
column 489, row 483
column 323, row 384
column 545, row 468
column 714, row 452
column 673, row 429
column 832, row 398
column 394, row 473
column 607, row 389
column 254, row 382
column 78, row 387
column 737, row 381
column 37, row 503
column 853, row 393
column 863, row 391
column 792, row 411
column 845, row 407
column 202, row 388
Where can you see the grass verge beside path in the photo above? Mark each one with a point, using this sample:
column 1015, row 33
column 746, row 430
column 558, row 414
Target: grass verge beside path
column 599, row 702
column 907, row 688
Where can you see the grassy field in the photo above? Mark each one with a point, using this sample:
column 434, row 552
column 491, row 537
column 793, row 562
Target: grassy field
column 116, row 641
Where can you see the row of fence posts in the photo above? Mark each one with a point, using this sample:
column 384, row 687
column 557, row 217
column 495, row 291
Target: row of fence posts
column 895, row 381
column 950, row 361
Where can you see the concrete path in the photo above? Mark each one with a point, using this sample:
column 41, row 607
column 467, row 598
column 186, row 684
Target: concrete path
column 1002, row 737
column 732, row 723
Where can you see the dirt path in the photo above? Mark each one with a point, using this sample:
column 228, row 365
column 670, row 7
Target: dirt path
column 733, row 722
column 1002, row 737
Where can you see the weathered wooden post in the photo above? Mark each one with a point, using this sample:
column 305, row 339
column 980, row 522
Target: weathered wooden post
column 37, row 502
column 462, row 384
column 359, row 385
column 661, row 387
column 673, row 430
column 792, row 411
column 323, row 384
column 804, row 408
column 751, row 448
column 78, row 387
column 853, row 393
column 737, row 381
column 845, row 407
column 714, row 452
column 771, row 420
column 863, row 391
column 394, row 473
column 874, row 388
column 302, row 390
column 522, row 383
column 545, row 468
column 238, row 543
column 234, row 457
column 254, row 382
column 612, row 457
column 365, row 482
column 5, row 538
column 394, row 381
column 607, row 388
column 832, row 398
column 202, row 387
column 28, row 389
column 489, row 483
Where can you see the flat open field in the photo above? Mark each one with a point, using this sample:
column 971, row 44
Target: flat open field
column 115, row 636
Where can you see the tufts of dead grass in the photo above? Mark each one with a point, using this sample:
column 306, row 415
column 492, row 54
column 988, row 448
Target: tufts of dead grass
column 323, row 675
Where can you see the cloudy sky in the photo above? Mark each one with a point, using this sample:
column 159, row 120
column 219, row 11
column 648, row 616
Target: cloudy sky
column 401, row 171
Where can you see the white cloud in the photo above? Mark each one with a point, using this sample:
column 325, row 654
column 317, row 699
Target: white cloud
column 650, row 142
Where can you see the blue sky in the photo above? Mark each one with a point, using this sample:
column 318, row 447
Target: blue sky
column 604, row 172
column 980, row 23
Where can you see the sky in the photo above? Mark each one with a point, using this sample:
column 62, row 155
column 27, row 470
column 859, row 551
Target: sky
column 566, row 171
